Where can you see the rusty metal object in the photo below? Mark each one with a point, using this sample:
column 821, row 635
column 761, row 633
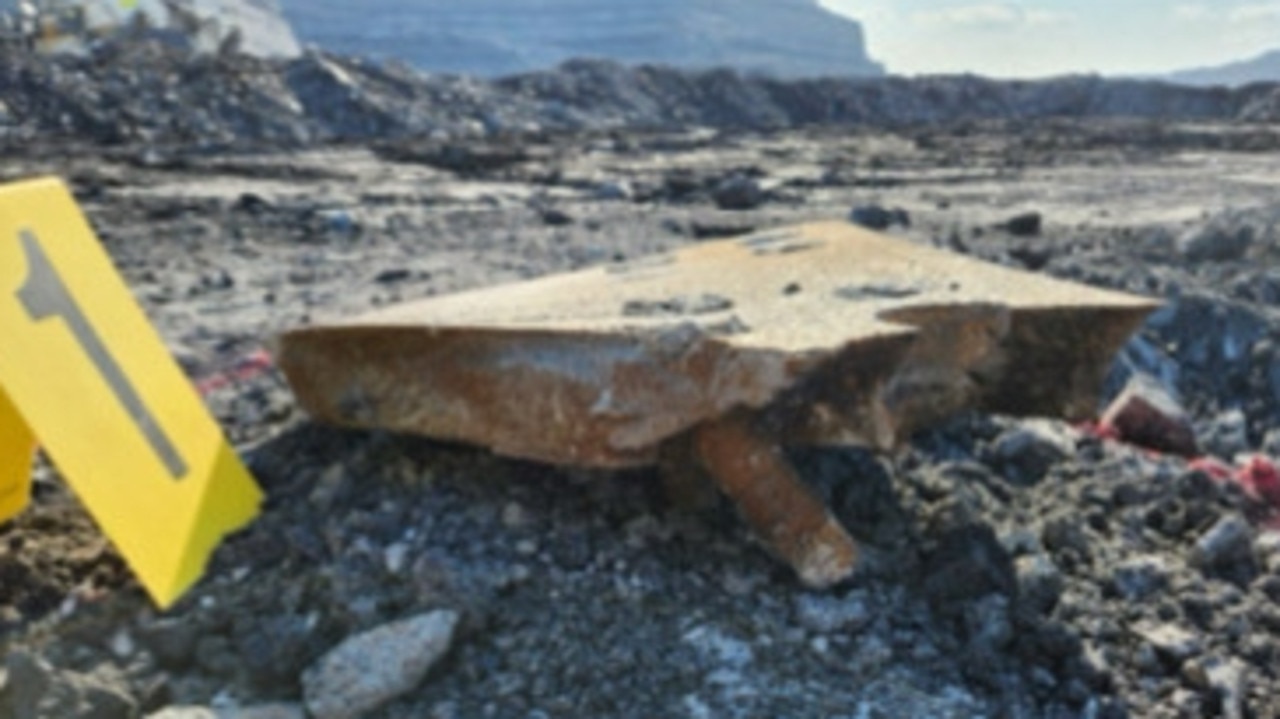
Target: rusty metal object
column 824, row 333
column 750, row 467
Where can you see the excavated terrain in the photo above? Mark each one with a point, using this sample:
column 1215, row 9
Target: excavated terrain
column 1017, row 567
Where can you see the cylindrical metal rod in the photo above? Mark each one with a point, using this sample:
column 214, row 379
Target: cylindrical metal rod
column 787, row 515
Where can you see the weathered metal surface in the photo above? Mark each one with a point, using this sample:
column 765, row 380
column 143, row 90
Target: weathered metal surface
column 822, row 333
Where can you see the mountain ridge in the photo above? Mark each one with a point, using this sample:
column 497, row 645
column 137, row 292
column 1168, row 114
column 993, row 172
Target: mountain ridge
column 1261, row 68
column 784, row 38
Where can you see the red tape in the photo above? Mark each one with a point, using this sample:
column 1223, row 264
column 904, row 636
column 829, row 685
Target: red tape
column 244, row 369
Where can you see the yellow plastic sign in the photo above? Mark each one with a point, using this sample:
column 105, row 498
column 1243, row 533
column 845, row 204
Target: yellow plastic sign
column 16, row 447
column 87, row 376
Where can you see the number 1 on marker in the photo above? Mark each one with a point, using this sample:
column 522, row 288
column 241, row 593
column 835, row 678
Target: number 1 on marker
column 45, row 295
column 87, row 376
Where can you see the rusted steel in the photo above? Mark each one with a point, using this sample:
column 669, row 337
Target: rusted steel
column 751, row 469
column 822, row 333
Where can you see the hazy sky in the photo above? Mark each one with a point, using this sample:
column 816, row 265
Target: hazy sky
column 1044, row 37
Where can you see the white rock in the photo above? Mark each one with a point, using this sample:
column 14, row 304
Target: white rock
column 184, row 713
column 266, row 711
column 370, row 669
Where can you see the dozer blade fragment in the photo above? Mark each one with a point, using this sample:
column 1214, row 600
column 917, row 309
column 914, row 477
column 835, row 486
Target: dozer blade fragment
column 822, row 333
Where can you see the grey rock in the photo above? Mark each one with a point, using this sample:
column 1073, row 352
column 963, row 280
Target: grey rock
column 1040, row 583
column 1271, row 443
column 738, row 192
column 1137, row 578
column 1225, row 678
column 338, row 221
column 827, row 614
column 1142, row 357
column 1171, row 641
column 1157, row 244
column 1228, row 541
column 1227, row 435
column 1229, row 680
column 1267, row 550
column 171, row 641
column 618, row 190
column 1223, row 239
column 1095, row 665
column 370, row 669
column 1186, row 703
column 1026, row 452
column 39, row 691
column 720, row 647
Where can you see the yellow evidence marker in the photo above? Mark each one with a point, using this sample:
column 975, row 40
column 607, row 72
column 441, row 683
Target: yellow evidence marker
column 87, row 377
column 16, row 447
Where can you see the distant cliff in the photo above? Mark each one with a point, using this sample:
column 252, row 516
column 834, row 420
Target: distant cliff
column 785, row 38
column 1264, row 68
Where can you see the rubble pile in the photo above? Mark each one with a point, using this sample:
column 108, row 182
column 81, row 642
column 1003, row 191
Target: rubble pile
column 149, row 92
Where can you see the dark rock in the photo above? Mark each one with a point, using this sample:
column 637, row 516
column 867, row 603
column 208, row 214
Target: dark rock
column 171, row 641
column 738, row 192
column 987, row 623
column 275, row 649
column 969, row 563
column 389, row 277
column 1040, row 583
column 876, row 217
column 1024, row 225
column 1145, row 414
column 252, row 203
column 1226, row 548
column 1027, row 451
column 1224, row 239
column 1034, row 257
column 1065, row 534
column 554, row 217
column 1137, row 578
column 716, row 230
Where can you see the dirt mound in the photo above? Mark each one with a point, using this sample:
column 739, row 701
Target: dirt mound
column 152, row 93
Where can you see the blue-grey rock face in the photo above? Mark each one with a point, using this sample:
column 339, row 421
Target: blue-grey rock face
column 1264, row 68
column 787, row 38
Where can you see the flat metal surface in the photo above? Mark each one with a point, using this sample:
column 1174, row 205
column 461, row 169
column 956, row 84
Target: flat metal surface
column 825, row 332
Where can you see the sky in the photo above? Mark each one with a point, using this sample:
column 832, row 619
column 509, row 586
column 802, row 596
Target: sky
column 1053, row 37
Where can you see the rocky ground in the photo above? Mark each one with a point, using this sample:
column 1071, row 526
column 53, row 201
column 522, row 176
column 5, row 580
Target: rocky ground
column 1019, row 568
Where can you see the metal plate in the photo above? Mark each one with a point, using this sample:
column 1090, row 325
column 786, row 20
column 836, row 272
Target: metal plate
column 824, row 332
